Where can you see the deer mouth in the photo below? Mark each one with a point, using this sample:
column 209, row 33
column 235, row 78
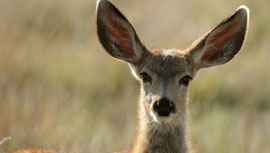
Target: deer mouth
column 162, row 119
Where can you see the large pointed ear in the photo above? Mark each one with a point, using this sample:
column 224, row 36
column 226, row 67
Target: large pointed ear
column 116, row 34
column 222, row 43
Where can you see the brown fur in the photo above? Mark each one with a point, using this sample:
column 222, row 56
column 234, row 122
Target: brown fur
column 34, row 151
column 153, row 137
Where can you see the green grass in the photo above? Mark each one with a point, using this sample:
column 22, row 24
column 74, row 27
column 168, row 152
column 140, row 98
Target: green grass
column 60, row 90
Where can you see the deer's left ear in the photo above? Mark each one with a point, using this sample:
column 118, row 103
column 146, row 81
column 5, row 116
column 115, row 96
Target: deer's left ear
column 222, row 43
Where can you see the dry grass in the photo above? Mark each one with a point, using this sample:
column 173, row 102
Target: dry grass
column 60, row 90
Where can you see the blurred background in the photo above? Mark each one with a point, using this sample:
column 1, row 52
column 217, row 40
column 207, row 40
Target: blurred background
column 60, row 90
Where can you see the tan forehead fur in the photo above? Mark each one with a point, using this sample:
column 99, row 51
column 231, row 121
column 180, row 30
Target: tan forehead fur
column 171, row 61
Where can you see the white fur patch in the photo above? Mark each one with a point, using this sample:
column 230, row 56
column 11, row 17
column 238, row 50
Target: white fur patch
column 161, row 120
column 168, row 51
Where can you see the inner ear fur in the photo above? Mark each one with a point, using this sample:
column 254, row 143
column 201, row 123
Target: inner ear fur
column 223, row 42
column 116, row 34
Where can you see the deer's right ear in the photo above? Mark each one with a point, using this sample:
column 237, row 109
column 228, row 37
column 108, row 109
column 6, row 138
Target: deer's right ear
column 116, row 34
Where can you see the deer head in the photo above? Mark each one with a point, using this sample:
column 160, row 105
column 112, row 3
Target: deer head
column 165, row 74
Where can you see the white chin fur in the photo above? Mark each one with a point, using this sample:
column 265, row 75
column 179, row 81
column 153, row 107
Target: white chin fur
column 161, row 120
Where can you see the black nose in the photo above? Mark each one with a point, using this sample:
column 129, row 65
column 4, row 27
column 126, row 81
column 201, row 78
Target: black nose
column 164, row 107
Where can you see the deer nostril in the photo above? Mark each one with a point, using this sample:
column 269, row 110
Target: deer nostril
column 156, row 106
column 172, row 107
column 164, row 107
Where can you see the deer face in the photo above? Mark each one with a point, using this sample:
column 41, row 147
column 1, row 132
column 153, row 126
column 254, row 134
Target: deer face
column 164, row 77
column 165, row 74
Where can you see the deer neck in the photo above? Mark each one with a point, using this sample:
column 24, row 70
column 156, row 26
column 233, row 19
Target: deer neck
column 159, row 138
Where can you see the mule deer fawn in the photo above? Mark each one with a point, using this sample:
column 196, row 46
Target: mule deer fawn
column 165, row 74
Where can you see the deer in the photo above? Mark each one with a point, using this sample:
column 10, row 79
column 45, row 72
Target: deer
column 165, row 74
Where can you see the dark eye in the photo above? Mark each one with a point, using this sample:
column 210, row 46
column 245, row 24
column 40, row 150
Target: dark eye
column 185, row 80
column 145, row 77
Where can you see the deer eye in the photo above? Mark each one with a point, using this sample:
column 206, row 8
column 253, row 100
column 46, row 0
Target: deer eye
column 185, row 80
column 145, row 77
